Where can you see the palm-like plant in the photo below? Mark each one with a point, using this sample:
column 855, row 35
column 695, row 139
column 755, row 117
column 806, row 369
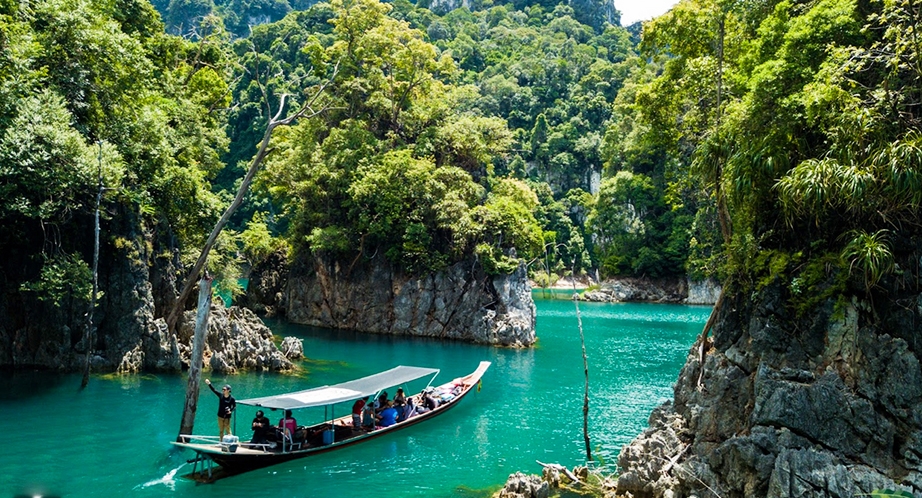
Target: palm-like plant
column 869, row 253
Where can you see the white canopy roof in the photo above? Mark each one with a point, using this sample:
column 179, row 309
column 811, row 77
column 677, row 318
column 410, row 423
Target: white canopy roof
column 354, row 389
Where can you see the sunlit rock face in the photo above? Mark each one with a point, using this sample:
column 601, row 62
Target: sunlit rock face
column 461, row 302
column 774, row 404
column 236, row 340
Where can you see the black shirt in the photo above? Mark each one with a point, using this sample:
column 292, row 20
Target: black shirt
column 260, row 427
column 226, row 404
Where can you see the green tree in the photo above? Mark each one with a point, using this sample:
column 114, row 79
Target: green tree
column 395, row 167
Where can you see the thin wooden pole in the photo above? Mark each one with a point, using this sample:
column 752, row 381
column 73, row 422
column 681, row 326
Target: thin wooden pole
column 582, row 340
column 89, row 316
column 195, row 362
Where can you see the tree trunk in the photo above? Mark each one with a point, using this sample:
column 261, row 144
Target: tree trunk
column 203, row 257
column 195, row 362
column 89, row 337
column 306, row 111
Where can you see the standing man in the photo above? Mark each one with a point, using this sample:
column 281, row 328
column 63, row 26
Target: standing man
column 226, row 406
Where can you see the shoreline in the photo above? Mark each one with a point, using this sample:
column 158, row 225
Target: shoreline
column 676, row 290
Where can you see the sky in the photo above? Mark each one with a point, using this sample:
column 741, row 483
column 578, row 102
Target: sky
column 641, row 10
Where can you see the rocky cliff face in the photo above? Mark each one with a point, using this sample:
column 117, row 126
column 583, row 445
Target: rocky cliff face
column 461, row 302
column 773, row 405
column 137, row 289
column 702, row 291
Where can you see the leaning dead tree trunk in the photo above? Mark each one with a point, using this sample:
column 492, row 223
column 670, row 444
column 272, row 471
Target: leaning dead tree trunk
column 703, row 343
column 306, row 111
column 195, row 362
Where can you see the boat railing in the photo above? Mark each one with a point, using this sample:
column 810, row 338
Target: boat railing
column 194, row 438
column 215, row 440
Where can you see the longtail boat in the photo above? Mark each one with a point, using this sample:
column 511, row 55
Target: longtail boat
column 234, row 457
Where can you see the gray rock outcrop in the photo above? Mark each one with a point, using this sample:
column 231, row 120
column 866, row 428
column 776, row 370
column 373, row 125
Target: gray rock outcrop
column 702, row 291
column 664, row 290
column 520, row 485
column 265, row 293
column 461, row 302
column 825, row 405
column 236, row 340
column 631, row 289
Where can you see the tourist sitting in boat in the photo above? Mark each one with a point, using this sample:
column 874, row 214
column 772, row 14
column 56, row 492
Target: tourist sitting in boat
column 381, row 402
column 288, row 425
column 407, row 411
column 388, row 415
column 260, row 427
column 400, row 399
column 357, row 408
column 368, row 417
column 429, row 402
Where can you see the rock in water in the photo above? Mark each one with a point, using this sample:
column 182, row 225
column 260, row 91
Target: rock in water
column 236, row 340
column 520, row 485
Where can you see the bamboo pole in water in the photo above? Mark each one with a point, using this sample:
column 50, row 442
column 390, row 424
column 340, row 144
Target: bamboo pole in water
column 582, row 340
column 195, row 362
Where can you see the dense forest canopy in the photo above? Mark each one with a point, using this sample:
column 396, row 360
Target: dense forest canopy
column 97, row 95
column 516, row 94
column 803, row 119
column 735, row 138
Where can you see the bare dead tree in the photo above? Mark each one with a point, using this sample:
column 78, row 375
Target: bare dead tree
column 89, row 336
column 195, row 362
column 306, row 111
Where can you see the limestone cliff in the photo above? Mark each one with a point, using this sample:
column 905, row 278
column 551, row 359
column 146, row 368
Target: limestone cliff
column 137, row 289
column 828, row 404
column 461, row 302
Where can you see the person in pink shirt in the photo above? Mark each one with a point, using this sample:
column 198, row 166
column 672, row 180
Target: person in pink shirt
column 288, row 424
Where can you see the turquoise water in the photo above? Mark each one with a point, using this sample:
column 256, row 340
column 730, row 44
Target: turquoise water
column 113, row 438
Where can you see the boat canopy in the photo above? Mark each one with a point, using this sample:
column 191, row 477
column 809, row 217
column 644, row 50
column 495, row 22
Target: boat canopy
column 354, row 389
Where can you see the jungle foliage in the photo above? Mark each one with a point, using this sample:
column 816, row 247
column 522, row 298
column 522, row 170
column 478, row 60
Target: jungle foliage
column 739, row 138
column 802, row 120
column 96, row 94
column 548, row 73
column 513, row 94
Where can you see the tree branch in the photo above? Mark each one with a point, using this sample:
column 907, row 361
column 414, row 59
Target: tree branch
column 305, row 111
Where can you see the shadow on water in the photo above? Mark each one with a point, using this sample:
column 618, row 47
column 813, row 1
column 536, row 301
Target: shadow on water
column 283, row 328
column 468, row 492
column 25, row 384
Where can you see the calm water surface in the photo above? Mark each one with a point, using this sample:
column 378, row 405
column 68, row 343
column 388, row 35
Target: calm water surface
column 113, row 438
